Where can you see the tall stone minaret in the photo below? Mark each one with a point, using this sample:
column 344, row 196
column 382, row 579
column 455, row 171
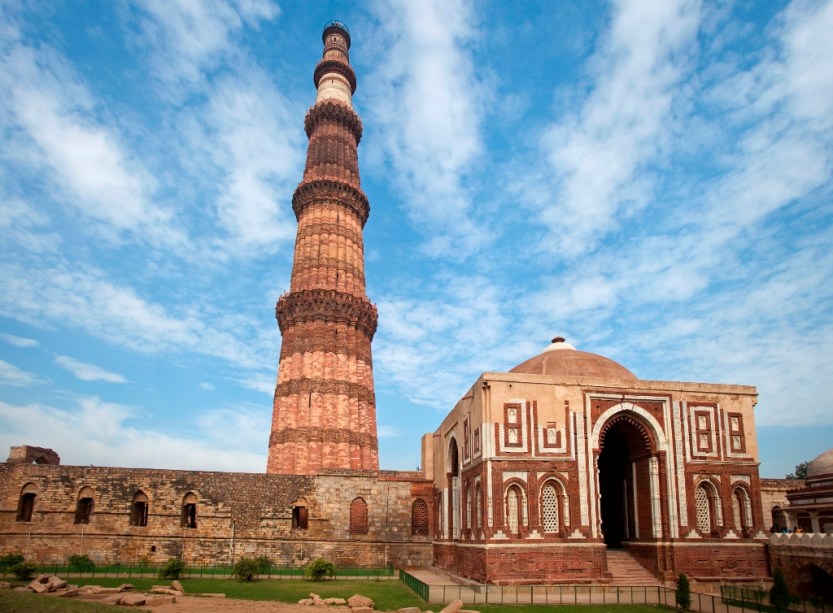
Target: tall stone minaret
column 325, row 407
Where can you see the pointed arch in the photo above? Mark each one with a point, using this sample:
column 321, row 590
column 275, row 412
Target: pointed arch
column 26, row 502
column 84, row 506
column 189, row 511
column 707, row 505
column 139, row 507
column 515, row 509
column 554, row 506
column 358, row 516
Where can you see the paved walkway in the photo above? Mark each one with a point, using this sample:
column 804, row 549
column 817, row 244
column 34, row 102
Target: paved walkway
column 429, row 577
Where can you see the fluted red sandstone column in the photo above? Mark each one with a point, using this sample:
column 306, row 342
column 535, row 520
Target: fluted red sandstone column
column 325, row 408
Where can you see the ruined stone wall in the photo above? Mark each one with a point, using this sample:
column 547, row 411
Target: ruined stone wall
column 237, row 514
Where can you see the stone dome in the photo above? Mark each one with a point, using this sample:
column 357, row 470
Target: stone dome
column 561, row 358
column 822, row 465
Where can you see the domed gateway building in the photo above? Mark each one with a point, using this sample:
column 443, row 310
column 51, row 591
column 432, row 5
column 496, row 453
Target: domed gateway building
column 568, row 465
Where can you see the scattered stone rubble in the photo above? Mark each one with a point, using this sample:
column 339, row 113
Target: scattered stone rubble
column 363, row 604
column 122, row 595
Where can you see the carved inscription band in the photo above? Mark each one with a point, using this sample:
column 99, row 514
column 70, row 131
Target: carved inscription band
column 325, row 386
column 326, row 305
column 323, row 435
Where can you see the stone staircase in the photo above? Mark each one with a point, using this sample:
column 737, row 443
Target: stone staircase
column 625, row 570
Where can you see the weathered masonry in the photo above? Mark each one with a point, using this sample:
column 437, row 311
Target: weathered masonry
column 49, row 512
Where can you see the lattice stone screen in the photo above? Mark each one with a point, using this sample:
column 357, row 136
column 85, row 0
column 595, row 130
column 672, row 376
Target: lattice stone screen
column 358, row 516
column 704, row 520
column 549, row 504
column 419, row 517
column 512, row 510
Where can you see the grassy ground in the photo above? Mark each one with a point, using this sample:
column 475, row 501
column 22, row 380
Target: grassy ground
column 388, row 595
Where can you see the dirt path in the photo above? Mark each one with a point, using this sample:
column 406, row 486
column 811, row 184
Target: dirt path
column 201, row 604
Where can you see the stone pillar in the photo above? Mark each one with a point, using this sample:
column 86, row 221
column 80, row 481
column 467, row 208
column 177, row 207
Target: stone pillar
column 324, row 412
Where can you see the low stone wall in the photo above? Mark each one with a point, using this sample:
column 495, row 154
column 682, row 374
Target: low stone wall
column 248, row 512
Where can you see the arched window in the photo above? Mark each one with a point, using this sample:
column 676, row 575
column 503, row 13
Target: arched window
column 468, row 507
column 189, row 511
column 741, row 508
column 26, row 502
column 453, row 459
column 358, row 516
column 84, row 507
column 707, row 506
column 514, row 509
column 479, row 506
column 139, row 509
column 550, row 502
column 419, row 517
column 300, row 515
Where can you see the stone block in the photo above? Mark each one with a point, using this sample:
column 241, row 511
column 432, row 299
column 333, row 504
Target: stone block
column 453, row 607
column 357, row 600
column 305, row 602
column 133, row 600
column 67, row 592
column 125, row 587
column 361, row 610
column 56, row 583
column 5, row 585
column 409, row 610
column 335, row 601
column 156, row 601
column 175, row 584
column 38, row 587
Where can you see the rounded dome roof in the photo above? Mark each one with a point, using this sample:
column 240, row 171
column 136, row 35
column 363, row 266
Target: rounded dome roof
column 822, row 465
column 561, row 358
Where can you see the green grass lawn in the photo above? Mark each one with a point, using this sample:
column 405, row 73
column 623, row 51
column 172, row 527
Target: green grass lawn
column 388, row 595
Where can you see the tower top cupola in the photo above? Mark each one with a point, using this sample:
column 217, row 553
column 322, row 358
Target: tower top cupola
column 334, row 77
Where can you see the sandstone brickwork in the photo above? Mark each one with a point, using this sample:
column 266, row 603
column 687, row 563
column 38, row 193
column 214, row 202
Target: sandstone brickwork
column 540, row 470
column 324, row 413
column 253, row 513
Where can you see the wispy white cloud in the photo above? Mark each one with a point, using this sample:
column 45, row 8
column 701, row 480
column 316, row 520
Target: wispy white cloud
column 205, row 385
column 101, row 433
column 189, row 37
column 259, row 384
column 598, row 158
column 88, row 372
column 12, row 375
column 258, row 154
column 57, row 130
column 84, row 298
column 19, row 341
column 426, row 108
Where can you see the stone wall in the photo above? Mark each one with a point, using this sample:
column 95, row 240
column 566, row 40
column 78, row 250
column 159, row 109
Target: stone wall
column 237, row 514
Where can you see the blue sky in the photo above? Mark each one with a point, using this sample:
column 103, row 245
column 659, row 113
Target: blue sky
column 651, row 180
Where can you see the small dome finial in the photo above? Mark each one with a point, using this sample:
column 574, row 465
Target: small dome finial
column 559, row 339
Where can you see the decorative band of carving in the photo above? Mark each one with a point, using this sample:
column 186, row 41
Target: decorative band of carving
column 323, row 435
column 336, row 192
column 325, row 341
column 625, row 418
column 315, row 228
column 335, row 111
column 345, row 70
column 326, row 305
column 303, row 265
column 305, row 386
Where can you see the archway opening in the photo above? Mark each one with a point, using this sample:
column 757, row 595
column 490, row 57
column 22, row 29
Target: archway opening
column 624, row 482
column 812, row 582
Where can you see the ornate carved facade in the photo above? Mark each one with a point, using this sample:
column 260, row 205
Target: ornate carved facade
column 540, row 471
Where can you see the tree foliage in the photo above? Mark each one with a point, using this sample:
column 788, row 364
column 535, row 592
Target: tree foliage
column 800, row 471
column 9, row 560
column 80, row 562
column 246, row 569
column 172, row 569
column 25, row 571
column 683, row 593
column 319, row 569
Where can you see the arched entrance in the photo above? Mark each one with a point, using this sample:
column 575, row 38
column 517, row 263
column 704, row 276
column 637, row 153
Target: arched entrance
column 624, row 462
column 454, row 490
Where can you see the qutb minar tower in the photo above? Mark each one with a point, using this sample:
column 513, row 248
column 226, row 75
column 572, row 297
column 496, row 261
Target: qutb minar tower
column 325, row 408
